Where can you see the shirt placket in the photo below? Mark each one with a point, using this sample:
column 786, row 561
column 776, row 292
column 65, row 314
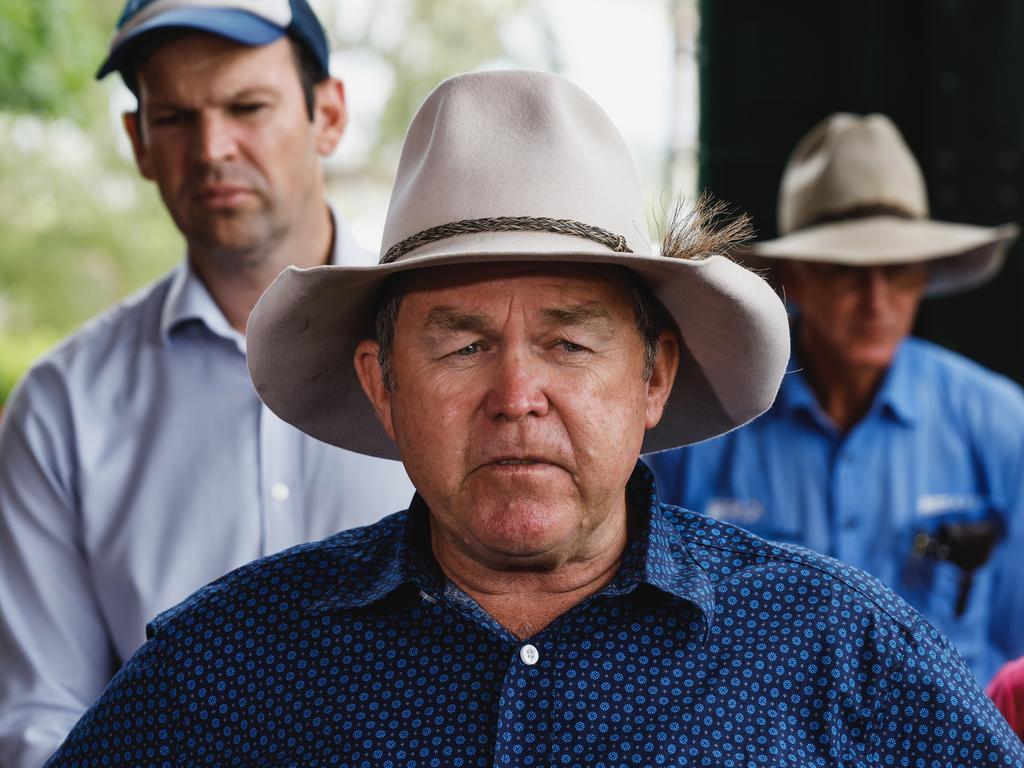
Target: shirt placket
column 523, row 730
column 280, row 490
column 849, row 492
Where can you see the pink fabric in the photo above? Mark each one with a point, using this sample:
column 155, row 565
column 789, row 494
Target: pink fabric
column 1007, row 691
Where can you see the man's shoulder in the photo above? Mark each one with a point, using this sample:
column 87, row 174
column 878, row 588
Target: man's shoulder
column 981, row 406
column 130, row 321
column 732, row 556
column 956, row 374
column 340, row 570
column 69, row 368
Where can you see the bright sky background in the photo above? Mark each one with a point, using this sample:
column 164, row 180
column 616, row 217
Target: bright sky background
column 619, row 52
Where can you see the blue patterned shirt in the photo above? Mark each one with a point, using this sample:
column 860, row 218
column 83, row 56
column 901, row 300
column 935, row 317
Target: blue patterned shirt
column 710, row 646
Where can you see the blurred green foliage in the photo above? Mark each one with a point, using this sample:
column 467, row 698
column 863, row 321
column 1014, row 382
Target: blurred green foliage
column 79, row 229
column 49, row 51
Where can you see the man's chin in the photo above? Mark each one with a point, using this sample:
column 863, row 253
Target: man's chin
column 878, row 356
column 524, row 532
column 230, row 242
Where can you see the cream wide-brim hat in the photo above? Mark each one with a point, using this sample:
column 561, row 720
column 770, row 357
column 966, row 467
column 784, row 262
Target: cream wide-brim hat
column 853, row 194
column 516, row 167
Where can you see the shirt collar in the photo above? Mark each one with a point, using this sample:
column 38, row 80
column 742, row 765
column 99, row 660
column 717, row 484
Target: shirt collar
column 897, row 394
column 189, row 301
column 655, row 556
column 402, row 559
column 895, row 397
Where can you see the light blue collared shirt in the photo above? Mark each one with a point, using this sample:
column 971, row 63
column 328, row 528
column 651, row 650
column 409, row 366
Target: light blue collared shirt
column 137, row 464
column 943, row 441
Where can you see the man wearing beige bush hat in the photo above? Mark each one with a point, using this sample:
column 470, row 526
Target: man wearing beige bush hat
column 517, row 347
column 882, row 450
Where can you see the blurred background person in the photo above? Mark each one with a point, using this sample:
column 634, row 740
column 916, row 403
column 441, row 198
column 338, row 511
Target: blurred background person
column 882, row 450
column 136, row 461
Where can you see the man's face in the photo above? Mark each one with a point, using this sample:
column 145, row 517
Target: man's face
column 227, row 137
column 520, row 404
column 854, row 316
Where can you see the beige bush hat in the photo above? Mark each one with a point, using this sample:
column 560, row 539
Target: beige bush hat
column 852, row 193
column 517, row 167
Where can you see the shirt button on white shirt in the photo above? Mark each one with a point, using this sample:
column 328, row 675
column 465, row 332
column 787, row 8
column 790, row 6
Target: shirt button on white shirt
column 529, row 655
column 280, row 492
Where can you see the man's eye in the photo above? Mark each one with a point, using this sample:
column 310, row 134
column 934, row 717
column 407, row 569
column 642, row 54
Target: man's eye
column 169, row 118
column 568, row 346
column 470, row 349
column 247, row 107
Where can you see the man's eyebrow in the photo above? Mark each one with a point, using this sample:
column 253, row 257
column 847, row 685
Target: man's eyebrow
column 254, row 92
column 579, row 314
column 245, row 94
column 454, row 321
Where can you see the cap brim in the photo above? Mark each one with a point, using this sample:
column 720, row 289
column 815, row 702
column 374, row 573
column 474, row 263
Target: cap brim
column 233, row 24
column 303, row 333
column 963, row 255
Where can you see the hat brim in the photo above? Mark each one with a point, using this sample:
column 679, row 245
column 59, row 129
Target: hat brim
column 234, row 24
column 303, row 333
column 964, row 255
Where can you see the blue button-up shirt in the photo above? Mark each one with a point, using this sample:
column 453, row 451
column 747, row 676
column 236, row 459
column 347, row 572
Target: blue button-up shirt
column 710, row 646
column 942, row 442
column 137, row 464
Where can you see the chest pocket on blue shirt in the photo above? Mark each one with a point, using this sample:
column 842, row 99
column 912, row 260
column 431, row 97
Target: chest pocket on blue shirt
column 945, row 573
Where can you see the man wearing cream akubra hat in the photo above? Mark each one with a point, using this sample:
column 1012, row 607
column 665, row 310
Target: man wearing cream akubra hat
column 516, row 347
column 887, row 452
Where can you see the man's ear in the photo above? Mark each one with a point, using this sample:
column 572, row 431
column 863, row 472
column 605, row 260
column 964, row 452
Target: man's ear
column 330, row 115
column 132, row 128
column 659, row 386
column 372, row 381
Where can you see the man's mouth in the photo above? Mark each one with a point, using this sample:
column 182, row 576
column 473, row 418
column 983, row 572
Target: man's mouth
column 520, row 461
column 221, row 192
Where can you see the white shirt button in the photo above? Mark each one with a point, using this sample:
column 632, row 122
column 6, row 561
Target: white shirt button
column 529, row 655
column 280, row 492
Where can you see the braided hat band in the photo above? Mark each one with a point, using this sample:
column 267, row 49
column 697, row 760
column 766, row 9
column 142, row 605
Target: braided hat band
column 506, row 224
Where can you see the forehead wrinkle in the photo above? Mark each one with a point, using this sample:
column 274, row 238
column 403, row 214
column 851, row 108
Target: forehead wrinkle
column 225, row 70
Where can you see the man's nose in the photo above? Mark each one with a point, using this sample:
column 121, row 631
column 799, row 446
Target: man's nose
column 517, row 388
column 875, row 287
column 215, row 139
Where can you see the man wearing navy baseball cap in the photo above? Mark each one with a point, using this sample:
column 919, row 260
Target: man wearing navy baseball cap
column 136, row 461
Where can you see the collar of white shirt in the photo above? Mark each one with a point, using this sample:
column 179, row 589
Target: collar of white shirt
column 189, row 301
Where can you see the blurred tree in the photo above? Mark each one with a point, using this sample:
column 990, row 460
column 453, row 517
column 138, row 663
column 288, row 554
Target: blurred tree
column 49, row 50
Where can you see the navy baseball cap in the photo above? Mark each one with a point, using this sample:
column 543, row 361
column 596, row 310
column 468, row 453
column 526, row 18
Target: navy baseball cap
column 249, row 22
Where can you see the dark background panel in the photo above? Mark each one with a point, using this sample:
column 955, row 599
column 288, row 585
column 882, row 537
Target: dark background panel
column 950, row 73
